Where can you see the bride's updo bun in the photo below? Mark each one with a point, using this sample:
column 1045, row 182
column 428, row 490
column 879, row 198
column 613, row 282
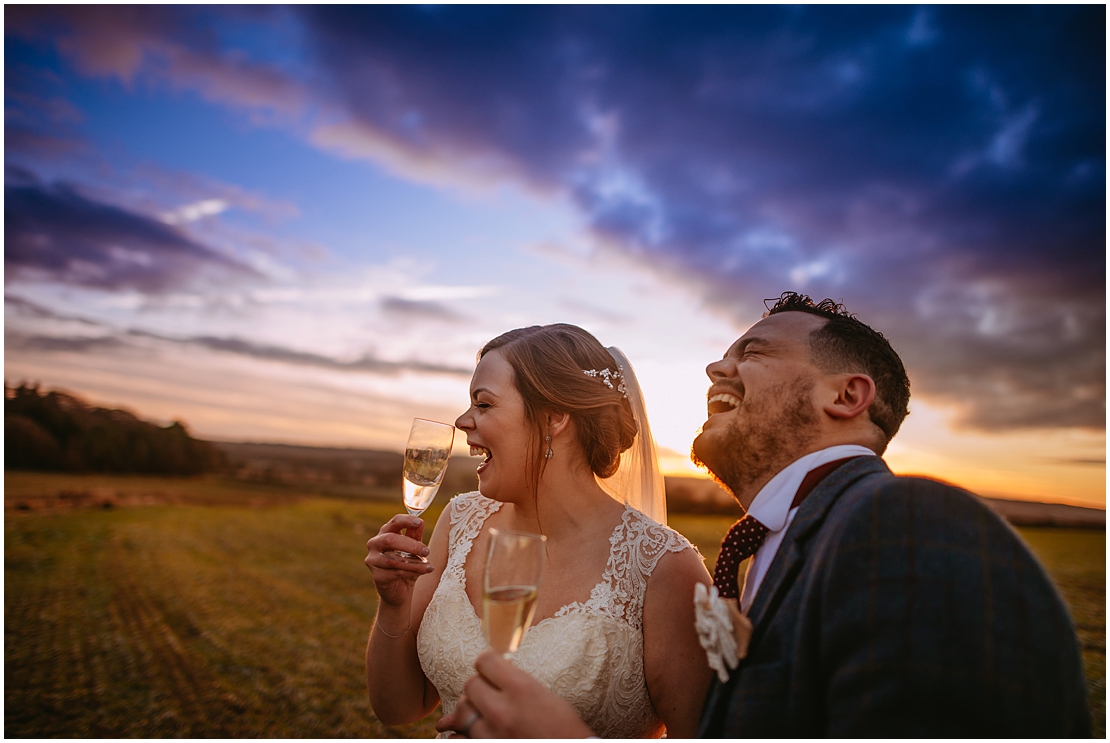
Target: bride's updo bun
column 549, row 364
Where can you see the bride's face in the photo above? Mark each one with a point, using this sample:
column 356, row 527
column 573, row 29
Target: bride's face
column 496, row 427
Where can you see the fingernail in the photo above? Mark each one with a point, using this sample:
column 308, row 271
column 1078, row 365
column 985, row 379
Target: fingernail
column 425, row 552
column 429, row 568
column 420, row 522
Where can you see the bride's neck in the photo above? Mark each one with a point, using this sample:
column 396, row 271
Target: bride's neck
column 567, row 504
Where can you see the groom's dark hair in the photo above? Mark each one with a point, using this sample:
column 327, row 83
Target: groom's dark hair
column 844, row 344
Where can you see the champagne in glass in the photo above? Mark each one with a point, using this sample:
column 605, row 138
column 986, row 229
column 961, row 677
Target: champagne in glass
column 512, row 582
column 426, row 456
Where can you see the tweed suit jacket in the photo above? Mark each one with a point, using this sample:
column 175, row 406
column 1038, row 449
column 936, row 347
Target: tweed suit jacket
column 902, row 607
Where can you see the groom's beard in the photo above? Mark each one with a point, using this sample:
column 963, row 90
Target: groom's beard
column 762, row 441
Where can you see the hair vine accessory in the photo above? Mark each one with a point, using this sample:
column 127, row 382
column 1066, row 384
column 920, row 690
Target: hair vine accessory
column 607, row 376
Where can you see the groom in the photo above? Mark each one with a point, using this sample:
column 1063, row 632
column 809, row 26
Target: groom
column 880, row 605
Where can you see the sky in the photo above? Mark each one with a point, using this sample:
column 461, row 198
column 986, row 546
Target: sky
column 299, row 224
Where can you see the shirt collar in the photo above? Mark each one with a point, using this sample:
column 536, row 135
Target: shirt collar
column 771, row 505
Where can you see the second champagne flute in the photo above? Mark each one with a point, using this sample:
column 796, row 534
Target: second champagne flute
column 510, row 587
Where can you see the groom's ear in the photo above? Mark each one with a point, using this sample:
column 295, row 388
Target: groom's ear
column 851, row 395
column 556, row 423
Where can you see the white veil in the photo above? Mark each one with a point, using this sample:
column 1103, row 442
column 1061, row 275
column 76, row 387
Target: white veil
column 638, row 481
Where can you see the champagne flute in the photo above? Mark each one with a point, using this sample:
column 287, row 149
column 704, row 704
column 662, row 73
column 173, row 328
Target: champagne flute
column 511, row 584
column 426, row 455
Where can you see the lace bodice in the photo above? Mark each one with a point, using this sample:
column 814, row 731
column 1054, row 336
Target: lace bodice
column 590, row 653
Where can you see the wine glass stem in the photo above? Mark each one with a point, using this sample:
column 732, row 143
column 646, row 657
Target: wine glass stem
column 409, row 555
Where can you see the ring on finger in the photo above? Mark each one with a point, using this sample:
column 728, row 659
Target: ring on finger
column 473, row 718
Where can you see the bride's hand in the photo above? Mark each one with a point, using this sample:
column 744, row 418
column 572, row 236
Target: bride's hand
column 394, row 574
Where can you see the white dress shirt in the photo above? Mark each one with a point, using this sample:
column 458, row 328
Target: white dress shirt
column 771, row 508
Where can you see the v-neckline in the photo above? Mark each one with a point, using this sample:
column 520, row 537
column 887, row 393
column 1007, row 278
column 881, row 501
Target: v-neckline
column 604, row 572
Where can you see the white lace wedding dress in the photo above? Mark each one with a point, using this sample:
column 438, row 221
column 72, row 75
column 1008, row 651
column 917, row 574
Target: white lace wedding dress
column 591, row 654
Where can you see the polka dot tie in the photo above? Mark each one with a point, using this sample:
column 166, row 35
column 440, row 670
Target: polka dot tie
column 747, row 535
column 743, row 539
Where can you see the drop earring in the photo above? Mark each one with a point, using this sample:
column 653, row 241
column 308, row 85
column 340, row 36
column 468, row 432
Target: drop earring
column 549, row 454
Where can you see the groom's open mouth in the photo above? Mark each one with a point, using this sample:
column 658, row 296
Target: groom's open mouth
column 481, row 451
column 722, row 402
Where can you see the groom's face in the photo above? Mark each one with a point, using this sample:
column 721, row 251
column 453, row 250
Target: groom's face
column 763, row 414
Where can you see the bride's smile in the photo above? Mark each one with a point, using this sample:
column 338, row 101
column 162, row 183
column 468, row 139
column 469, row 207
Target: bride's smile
column 481, row 451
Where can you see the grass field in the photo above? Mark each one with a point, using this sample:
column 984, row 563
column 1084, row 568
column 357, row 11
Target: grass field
column 203, row 620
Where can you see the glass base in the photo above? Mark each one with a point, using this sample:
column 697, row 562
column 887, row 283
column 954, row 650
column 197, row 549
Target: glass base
column 401, row 553
column 405, row 555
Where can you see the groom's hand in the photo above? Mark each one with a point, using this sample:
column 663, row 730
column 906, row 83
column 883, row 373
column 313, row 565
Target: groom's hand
column 511, row 704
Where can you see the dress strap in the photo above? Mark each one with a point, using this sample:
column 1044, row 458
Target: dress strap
column 468, row 512
column 636, row 546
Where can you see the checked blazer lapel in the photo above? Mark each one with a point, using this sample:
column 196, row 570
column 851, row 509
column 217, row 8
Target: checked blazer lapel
column 811, row 514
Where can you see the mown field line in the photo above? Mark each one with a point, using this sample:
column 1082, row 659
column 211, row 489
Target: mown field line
column 85, row 687
column 168, row 660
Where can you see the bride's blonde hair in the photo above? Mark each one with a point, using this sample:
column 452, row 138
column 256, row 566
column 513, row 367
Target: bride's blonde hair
column 549, row 364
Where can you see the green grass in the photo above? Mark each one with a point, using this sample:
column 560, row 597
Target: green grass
column 1076, row 560
column 251, row 621
column 191, row 621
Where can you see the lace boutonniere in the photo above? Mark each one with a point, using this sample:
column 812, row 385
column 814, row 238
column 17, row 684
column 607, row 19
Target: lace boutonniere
column 722, row 630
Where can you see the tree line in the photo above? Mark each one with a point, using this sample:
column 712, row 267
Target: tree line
column 56, row 432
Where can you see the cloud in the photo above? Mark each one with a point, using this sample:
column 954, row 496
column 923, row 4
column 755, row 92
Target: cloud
column 236, row 346
column 443, row 166
column 194, row 196
column 57, row 233
column 366, row 363
column 177, row 45
column 921, row 31
column 63, row 344
column 1007, row 359
column 15, row 175
column 197, row 210
column 30, row 107
column 108, row 337
column 26, row 141
column 748, row 150
column 38, row 120
column 1100, row 462
column 26, row 308
column 419, row 310
column 34, row 309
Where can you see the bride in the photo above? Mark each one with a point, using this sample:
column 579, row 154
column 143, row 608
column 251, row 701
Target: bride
column 568, row 453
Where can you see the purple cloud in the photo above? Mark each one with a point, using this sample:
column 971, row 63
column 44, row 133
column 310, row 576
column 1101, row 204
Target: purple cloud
column 111, row 338
column 366, row 363
column 55, row 232
column 419, row 310
column 178, row 45
column 944, row 174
